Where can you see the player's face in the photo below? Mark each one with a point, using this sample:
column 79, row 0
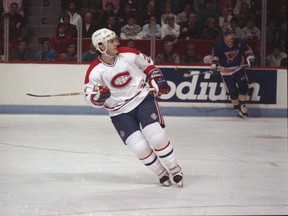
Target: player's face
column 230, row 37
column 112, row 46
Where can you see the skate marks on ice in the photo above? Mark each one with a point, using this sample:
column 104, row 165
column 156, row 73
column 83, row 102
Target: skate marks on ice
column 77, row 165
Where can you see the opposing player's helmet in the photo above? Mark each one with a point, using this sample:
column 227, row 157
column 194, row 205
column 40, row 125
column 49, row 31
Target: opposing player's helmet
column 101, row 36
column 229, row 30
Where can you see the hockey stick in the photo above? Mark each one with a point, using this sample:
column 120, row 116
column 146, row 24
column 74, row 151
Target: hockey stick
column 84, row 93
column 196, row 72
column 192, row 73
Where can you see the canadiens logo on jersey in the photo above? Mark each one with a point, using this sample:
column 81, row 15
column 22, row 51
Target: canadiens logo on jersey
column 231, row 55
column 122, row 79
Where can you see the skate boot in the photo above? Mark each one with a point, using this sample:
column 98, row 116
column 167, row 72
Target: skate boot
column 177, row 176
column 242, row 112
column 164, row 179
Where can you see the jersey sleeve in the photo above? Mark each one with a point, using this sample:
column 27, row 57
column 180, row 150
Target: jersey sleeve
column 92, row 78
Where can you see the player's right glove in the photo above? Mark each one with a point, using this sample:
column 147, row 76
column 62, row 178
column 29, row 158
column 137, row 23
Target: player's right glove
column 157, row 81
column 102, row 94
column 214, row 67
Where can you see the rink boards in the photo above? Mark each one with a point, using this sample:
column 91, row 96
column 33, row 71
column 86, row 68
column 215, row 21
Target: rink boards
column 198, row 95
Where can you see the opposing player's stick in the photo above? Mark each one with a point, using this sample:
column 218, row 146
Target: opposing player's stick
column 84, row 93
column 192, row 73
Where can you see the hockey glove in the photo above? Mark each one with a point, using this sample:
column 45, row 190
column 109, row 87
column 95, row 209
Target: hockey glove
column 157, row 81
column 102, row 94
column 250, row 60
column 214, row 68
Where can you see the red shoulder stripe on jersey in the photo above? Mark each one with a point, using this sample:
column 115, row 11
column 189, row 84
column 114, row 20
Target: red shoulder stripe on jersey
column 128, row 49
column 92, row 65
column 149, row 68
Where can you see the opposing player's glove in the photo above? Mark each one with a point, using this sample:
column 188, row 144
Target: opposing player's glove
column 157, row 81
column 250, row 60
column 214, row 67
column 102, row 94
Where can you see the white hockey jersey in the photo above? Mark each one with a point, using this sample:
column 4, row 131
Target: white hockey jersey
column 128, row 72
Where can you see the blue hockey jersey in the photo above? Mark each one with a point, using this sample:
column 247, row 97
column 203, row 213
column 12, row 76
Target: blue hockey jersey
column 229, row 58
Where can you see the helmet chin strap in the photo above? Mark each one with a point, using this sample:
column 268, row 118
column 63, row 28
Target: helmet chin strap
column 106, row 54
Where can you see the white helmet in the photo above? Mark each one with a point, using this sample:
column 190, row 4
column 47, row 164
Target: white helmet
column 101, row 36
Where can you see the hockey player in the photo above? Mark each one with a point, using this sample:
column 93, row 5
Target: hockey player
column 226, row 58
column 134, row 112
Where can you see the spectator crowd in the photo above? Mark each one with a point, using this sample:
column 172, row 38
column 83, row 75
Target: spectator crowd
column 173, row 20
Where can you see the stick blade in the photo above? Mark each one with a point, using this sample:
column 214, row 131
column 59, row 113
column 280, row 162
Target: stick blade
column 35, row 95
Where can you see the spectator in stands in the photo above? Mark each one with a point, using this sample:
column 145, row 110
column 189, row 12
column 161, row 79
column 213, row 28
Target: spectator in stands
column 171, row 28
column 198, row 5
column 65, row 3
column 90, row 5
column 130, row 43
column 108, row 10
column 18, row 27
column 167, row 13
column 224, row 18
column 190, row 29
column 90, row 55
column 244, row 15
column 70, row 29
column 125, row 13
column 208, row 11
column 70, row 54
column 61, row 39
column 274, row 59
column 149, row 10
column 173, row 3
column 6, row 6
column 115, row 5
column 131, row 30
column 88, row 26
column 211, row 31
column 238, row 6
column 281, row 15
column 146, row 29
column 250, row 31
column 168, row 55
column 113, row 25
column 75, row 18
column 191, row 55
column 183, row 16
column 21, row 53
column 273, row 32
column 234, row 25
column 46, row 53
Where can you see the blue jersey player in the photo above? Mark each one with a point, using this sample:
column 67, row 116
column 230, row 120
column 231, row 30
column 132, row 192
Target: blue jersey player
column 227, row 57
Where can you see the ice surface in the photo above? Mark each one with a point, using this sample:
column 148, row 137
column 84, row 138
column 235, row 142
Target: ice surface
column 70, row 165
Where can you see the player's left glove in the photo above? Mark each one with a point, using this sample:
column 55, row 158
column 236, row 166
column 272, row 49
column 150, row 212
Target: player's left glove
column 250, row 60
column 157, row 81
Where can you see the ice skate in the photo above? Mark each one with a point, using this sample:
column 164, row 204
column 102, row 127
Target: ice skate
column 241, row 114
column 244, row 110
column 177, row 176
column 164, row 179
